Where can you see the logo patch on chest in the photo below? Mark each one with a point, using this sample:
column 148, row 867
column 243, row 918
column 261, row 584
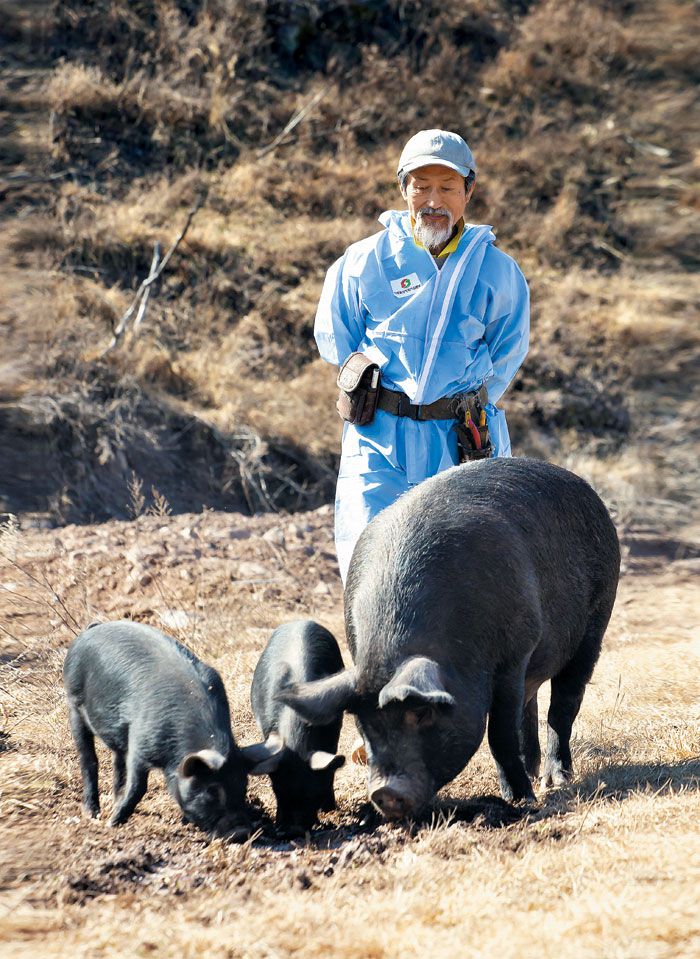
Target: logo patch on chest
column 406, row 286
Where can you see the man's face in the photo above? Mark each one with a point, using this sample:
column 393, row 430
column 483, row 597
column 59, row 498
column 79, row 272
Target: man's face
column 436, row 198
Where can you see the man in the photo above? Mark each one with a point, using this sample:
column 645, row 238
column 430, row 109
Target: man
column 442, row 312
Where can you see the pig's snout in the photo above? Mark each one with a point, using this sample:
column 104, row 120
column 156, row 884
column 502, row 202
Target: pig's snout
column 234, row 830
column 391, row 803
column 399, row 796
column 296, row 824
column 238, row 834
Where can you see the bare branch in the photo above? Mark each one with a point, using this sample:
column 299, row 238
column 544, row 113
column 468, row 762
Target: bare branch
column 44, row 583
column 154, row 273
column 147, row 292
column 166, row 259
column 21, row 178
column 294, row 121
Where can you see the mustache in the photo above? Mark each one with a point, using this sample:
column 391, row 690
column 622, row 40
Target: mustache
column 438, row 211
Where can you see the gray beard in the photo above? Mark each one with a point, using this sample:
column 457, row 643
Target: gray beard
column 433, row 236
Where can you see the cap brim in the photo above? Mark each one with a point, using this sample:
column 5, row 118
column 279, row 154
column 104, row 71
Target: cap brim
column 427, row 160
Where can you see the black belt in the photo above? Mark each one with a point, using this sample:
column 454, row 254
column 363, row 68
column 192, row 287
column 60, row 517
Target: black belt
column 447, row 408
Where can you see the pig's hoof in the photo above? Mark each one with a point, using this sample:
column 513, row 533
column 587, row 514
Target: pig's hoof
column 516, row 796
column 554, row 777
column 91, row 812
column 116, row 820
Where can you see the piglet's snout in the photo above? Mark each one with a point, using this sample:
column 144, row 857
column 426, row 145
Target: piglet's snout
column 234, row 829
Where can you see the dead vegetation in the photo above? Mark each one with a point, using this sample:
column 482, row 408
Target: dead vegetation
column 115, row 117
column 288, row 119
column 605, row 866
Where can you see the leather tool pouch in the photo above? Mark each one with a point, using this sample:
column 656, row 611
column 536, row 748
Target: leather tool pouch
column 358, row 379
column 473, row 440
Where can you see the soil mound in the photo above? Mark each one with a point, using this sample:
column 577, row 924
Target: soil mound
column 81, row 456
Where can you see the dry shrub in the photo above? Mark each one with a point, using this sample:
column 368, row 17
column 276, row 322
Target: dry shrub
column 77, row 87
column 90, row 111
column 301, row 409
column 154, row 367
column 563, row 49
column 668, row 51
column 38, row 241
column 14, row 379
column 585, row 161
column 305, row 186
column 69, row 318
column 182, row 43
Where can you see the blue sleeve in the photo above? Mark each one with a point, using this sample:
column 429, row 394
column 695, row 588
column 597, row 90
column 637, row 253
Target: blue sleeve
column 339, row 326
column 507, row 332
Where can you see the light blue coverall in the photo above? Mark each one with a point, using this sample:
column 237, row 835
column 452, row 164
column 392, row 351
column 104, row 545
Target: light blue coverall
column 434, row 333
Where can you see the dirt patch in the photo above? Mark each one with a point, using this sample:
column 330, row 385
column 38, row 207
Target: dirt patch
column 289, row 119
column 111, row 448
column 111, row 876
column 221, row 582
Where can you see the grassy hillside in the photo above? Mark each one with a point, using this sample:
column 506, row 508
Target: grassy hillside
column 280, row 122
column 284, row 121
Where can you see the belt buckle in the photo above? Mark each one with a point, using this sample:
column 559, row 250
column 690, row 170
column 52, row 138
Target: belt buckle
column 406, row 408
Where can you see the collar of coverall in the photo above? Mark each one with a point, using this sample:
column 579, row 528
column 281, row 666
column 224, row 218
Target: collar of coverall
column 451, row 246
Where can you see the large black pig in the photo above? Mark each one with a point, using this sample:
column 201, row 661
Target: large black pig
column 462, row 598
column 155, row 705
column 300, row 759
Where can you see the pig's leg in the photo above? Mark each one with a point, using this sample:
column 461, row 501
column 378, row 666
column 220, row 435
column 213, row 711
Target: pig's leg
column 505, row 720
column 563, row 709
column 119, row 761
column 134, row 790
column 568, row 688
column 85, row 741
column 530, row 740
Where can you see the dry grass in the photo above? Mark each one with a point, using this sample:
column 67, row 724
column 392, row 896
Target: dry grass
column 606, row 867
column 582, row 121
column 572, row 138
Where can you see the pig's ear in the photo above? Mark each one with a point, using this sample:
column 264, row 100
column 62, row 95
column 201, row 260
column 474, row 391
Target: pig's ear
column 416, row 678
column 319, row 759
column 205, row 762
column 264, row 757
column 322, row 701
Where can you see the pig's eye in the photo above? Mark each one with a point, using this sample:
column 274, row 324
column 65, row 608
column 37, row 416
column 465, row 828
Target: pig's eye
column 421, row 716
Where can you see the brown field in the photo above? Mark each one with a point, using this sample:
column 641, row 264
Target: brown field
column 608, row 866
column 184, row 478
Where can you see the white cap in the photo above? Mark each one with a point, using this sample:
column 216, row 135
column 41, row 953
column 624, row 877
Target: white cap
column 436, row 146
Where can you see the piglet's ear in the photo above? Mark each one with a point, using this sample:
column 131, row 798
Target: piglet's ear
column 322, row 760
column 203, row 763
column 264, row 757
column 322, row 701
column 417, row 678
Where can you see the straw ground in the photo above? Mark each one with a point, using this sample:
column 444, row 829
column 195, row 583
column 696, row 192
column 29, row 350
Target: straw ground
column 607, row 866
